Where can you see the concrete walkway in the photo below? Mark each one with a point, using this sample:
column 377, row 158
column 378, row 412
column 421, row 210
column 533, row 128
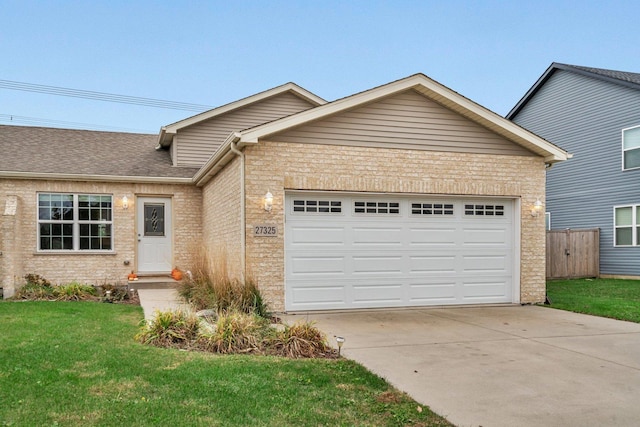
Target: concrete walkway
column 152, row 300
column 500, row 366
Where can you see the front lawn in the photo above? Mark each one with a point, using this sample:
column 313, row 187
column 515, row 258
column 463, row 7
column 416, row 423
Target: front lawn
column 76, row 363
column 615, row 298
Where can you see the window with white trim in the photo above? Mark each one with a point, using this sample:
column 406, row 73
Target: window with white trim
column 547, row 220
column 627, row 228
column 376, row 207
column 75, row 222
column 631, row 148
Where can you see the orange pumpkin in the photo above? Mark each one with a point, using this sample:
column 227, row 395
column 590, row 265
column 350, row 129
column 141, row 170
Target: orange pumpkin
column 176, row 274
column 132, row 276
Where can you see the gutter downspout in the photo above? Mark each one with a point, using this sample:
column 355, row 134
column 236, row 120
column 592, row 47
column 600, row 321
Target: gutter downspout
column 243, row 229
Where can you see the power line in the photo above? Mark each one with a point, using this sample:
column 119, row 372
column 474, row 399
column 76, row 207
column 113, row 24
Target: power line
column 102, row 96
column 24, row 120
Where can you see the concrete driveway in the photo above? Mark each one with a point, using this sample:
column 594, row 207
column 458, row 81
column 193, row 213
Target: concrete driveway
column 500, row 366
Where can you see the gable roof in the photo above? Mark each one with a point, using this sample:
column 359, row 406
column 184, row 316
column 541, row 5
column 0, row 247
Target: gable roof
column 167, row 132
column 631, row 80
column 69, row 154
column 419, row 82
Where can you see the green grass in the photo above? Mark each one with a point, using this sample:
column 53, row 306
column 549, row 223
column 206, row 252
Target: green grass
column 76, row 363
column 614, row 298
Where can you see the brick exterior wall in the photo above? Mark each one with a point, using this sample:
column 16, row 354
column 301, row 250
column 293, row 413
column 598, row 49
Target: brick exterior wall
column 22, row 257
column 276, row 167
column 221, row 216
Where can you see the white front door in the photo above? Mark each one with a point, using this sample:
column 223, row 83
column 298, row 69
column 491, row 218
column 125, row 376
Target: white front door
column 154, row 235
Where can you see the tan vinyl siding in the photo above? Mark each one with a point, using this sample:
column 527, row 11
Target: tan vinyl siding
column 407, row 120
column 195, row 144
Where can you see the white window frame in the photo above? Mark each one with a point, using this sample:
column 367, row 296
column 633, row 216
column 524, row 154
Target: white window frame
column 75, row 223
column 629, row 149
column 634, row 226
column 547, row 220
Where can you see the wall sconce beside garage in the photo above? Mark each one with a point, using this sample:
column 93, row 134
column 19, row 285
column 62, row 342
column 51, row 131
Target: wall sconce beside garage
column 537, row 208
column 268, row 201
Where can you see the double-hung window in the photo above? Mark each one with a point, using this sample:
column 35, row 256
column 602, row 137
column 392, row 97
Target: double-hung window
column 75, row 222
column 631, row 148
column 626, row 223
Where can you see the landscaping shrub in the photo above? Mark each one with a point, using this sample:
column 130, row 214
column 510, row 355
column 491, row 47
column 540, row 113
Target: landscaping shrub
column 236, row 332
column 170, row 329
column 74, row 291
column 119, row 293
column 36, row 288
column 209, row 285
column 302, row 340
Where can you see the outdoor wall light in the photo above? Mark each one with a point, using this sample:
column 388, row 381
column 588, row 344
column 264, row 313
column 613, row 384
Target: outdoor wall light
column 340, row 341
column 268, row 201
column 125, row 203
column 537, row 207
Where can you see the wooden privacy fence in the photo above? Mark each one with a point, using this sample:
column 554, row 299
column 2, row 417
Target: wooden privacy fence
column 573, row 253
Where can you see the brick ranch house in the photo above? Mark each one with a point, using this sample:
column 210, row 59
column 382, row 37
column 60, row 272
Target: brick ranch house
column 407, row 194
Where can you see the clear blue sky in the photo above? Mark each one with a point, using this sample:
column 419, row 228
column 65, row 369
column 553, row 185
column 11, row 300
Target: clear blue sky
column 215, row 52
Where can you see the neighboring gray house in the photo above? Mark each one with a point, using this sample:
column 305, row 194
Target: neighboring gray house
column 594, row 114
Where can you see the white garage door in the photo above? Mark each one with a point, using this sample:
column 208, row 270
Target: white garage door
column 357, row 251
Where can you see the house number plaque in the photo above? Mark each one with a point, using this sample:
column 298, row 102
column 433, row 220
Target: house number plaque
column 265, row 230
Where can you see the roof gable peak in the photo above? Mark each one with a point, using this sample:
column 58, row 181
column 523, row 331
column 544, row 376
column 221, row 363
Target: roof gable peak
column 166, row 132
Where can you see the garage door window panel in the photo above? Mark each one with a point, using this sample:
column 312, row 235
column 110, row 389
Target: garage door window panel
column 317, row 206
column 483, row 210
column 432, row 209
column 376, row 207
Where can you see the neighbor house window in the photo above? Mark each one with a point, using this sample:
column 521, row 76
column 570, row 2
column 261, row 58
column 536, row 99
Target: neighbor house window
column 547, row 220
column 75, row 222
column 631, row 148
column 627, row 229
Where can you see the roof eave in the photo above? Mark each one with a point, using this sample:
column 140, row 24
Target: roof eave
column 217, row 161
column 93, row 178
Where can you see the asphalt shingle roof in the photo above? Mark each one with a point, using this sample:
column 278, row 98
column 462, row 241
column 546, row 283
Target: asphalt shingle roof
column 85, row 152
column 618, row 75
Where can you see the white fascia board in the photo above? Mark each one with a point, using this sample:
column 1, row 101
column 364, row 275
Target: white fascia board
column 173, row 128
column 100, row 178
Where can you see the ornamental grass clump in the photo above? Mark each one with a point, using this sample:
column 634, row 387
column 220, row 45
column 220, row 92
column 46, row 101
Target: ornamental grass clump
column 301, row 340
column 174, row 329
column 236, row 332
column 74, row 291
column 211, row 286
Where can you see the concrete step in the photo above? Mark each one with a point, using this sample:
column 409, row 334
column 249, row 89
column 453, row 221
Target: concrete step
column 153, row 282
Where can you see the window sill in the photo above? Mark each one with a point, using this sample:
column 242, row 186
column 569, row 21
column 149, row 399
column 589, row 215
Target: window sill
column 74, row 253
